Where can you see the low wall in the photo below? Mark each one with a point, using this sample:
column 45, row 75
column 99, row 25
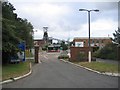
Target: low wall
column 74, row 51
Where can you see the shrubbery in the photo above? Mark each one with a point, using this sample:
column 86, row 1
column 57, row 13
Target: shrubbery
column 84, row 57
column 81, row 57
column 63, row 57
column 107, row 52
column 44, row 48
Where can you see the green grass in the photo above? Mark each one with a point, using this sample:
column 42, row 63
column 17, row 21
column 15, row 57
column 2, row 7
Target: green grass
column 0, row 73
column 100, row 66
column 14, row 70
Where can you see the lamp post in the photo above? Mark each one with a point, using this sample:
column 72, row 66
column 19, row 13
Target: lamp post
column 89, row 54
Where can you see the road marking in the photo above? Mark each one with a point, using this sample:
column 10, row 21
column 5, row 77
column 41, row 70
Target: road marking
column 45, row 57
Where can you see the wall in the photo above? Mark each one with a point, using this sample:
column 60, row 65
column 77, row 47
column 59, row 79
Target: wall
column 74, row 51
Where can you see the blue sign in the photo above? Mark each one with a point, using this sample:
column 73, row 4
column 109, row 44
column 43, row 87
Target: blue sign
column 22, row 47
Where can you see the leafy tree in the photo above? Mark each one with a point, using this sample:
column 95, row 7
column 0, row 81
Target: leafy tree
column 110, row 50
column 117, row 36
column 9, row 39
column 14, row 30
column 107, row 52
column 24, row 30
column 64, row 46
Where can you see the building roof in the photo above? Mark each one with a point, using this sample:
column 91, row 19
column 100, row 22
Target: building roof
column 54, row 45
column 93, row 37
column 38, row 40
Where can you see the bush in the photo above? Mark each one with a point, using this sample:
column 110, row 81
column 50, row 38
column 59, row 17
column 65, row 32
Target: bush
column 63, row 57
column 44, row 48
column 95, row 49
column 107, row 52
column 81, row 57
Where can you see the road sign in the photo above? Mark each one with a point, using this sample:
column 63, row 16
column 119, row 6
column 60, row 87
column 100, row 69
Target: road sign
column 22, row 47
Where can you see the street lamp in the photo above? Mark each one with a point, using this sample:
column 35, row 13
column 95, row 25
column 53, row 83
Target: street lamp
column 89, row 54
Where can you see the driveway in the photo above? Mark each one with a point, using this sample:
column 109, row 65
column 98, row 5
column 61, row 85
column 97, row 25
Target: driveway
column 53, row 73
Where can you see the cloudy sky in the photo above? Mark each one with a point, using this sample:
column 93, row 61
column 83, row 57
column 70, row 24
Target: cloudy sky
column 64, row 19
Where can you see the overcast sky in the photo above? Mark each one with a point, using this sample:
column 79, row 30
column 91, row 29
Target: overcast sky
column 64, row 19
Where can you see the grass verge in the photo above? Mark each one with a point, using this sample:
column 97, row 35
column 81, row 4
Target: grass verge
column 100, row 66
column 14, row 70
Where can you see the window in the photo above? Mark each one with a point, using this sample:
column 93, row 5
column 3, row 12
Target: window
column 102, row 41
column 97, row 41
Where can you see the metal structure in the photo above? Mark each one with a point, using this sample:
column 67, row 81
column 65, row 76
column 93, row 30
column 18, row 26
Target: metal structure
column 45, row 36
column 48, row 39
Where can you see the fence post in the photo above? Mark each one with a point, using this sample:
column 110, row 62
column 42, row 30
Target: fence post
column 36, row 53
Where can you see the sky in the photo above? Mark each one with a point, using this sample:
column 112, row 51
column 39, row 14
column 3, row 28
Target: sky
column 65, row 21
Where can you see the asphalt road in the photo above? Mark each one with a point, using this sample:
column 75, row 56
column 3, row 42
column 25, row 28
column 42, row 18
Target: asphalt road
column 53, row 73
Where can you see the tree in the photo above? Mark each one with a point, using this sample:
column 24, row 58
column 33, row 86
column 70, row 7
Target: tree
column 64, row 46
column 24, row 30
column 117, row 36
column 14, row 31
column 107, row 52
column 9, row 39
column 110, row 50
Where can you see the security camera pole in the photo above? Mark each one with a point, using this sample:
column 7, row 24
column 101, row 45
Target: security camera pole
column 89, row 54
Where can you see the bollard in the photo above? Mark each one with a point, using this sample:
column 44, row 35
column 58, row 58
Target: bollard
column 36, row 53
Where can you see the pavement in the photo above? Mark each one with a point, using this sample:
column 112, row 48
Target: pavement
column 53, row 73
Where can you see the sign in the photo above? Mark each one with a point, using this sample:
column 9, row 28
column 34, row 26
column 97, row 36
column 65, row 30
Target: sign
column 22, row 47
column 79, row 44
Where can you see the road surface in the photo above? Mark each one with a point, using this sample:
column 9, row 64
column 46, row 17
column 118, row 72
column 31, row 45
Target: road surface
column 53, row 73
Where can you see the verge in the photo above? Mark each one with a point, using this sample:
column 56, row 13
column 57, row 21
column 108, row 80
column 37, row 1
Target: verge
column 17, row 78
column 106, row 73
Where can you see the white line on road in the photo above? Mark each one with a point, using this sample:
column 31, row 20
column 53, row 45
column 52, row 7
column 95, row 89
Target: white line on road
column 45, row 57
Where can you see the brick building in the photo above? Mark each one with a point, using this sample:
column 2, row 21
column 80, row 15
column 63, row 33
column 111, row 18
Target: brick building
column 94, row 41
column 81, row 46
column 42, row 42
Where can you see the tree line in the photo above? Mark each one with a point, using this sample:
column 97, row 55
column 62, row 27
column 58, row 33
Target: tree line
column 110, row 51
column 14, row 31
